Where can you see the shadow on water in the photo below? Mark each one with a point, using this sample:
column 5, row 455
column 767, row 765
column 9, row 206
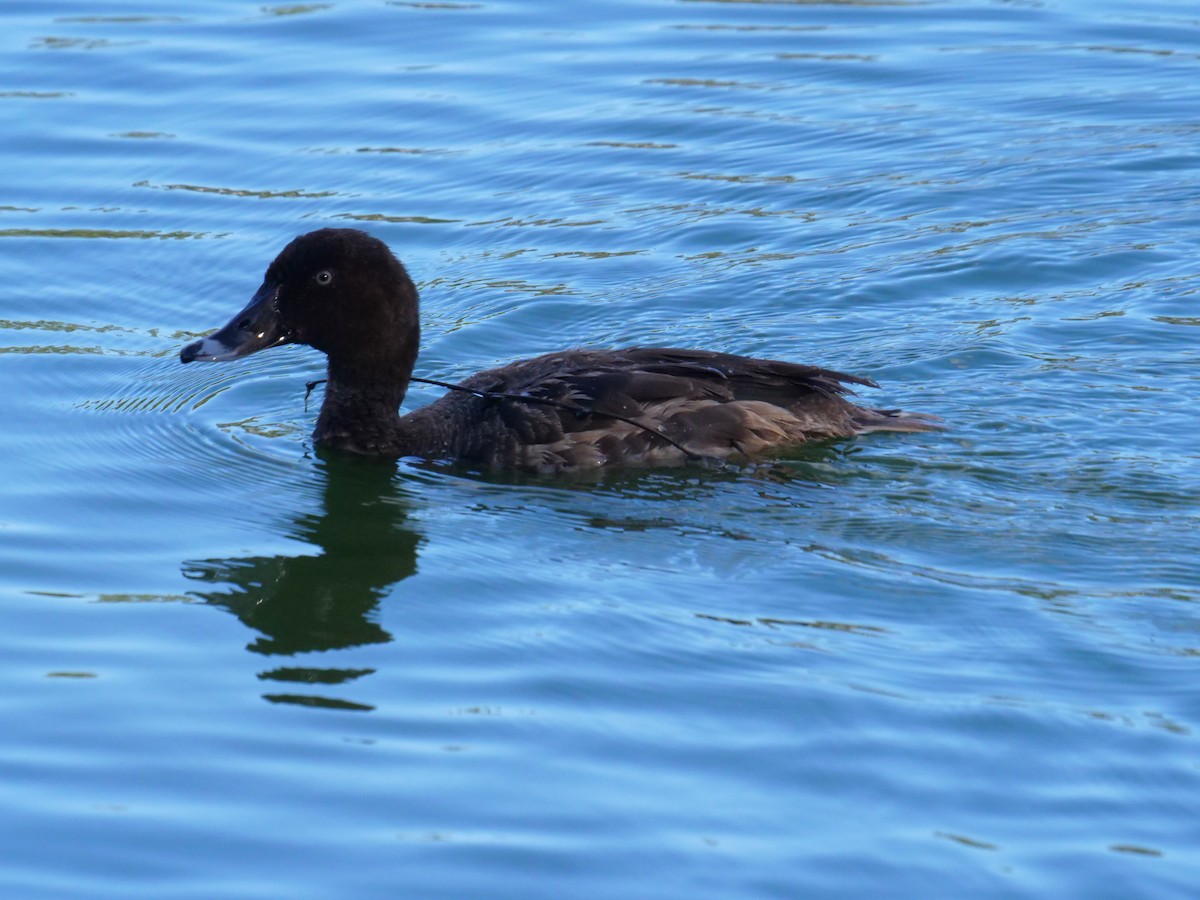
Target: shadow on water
column 359, row 543
column 326, row 601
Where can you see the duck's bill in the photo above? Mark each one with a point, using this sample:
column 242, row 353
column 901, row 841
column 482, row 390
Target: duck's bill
column 255, row 328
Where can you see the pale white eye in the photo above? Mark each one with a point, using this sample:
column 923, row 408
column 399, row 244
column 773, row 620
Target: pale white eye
column 324, row 277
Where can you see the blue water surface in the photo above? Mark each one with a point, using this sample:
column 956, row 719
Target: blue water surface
column 907, row 666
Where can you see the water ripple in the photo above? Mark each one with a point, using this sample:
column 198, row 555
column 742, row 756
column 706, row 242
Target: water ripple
column 236, row 192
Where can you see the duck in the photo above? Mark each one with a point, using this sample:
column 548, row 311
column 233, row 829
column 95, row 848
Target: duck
column 343, row 292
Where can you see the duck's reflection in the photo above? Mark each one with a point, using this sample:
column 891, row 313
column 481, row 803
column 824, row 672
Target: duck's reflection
column 326, row 600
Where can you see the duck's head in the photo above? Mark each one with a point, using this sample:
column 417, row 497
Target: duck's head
column 338, row 290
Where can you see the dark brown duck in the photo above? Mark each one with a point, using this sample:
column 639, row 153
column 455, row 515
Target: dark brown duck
column 344, row 293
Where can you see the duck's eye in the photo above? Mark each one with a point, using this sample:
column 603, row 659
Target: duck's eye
column 324, row 277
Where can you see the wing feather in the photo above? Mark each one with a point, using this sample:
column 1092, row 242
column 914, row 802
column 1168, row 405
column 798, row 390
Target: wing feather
column 575, row 408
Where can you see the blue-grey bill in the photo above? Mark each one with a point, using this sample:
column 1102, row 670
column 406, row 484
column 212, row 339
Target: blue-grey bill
column 255, row 328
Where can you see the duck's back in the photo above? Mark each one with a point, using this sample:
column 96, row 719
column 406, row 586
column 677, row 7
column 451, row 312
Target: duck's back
column 642, row 406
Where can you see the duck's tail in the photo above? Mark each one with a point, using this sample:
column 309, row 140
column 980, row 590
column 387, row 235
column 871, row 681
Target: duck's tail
column 867, row 420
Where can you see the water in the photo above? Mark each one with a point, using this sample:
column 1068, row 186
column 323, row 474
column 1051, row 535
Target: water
column 955, row 664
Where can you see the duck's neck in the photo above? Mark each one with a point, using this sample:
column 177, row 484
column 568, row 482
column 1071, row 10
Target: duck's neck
column 360, row 413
